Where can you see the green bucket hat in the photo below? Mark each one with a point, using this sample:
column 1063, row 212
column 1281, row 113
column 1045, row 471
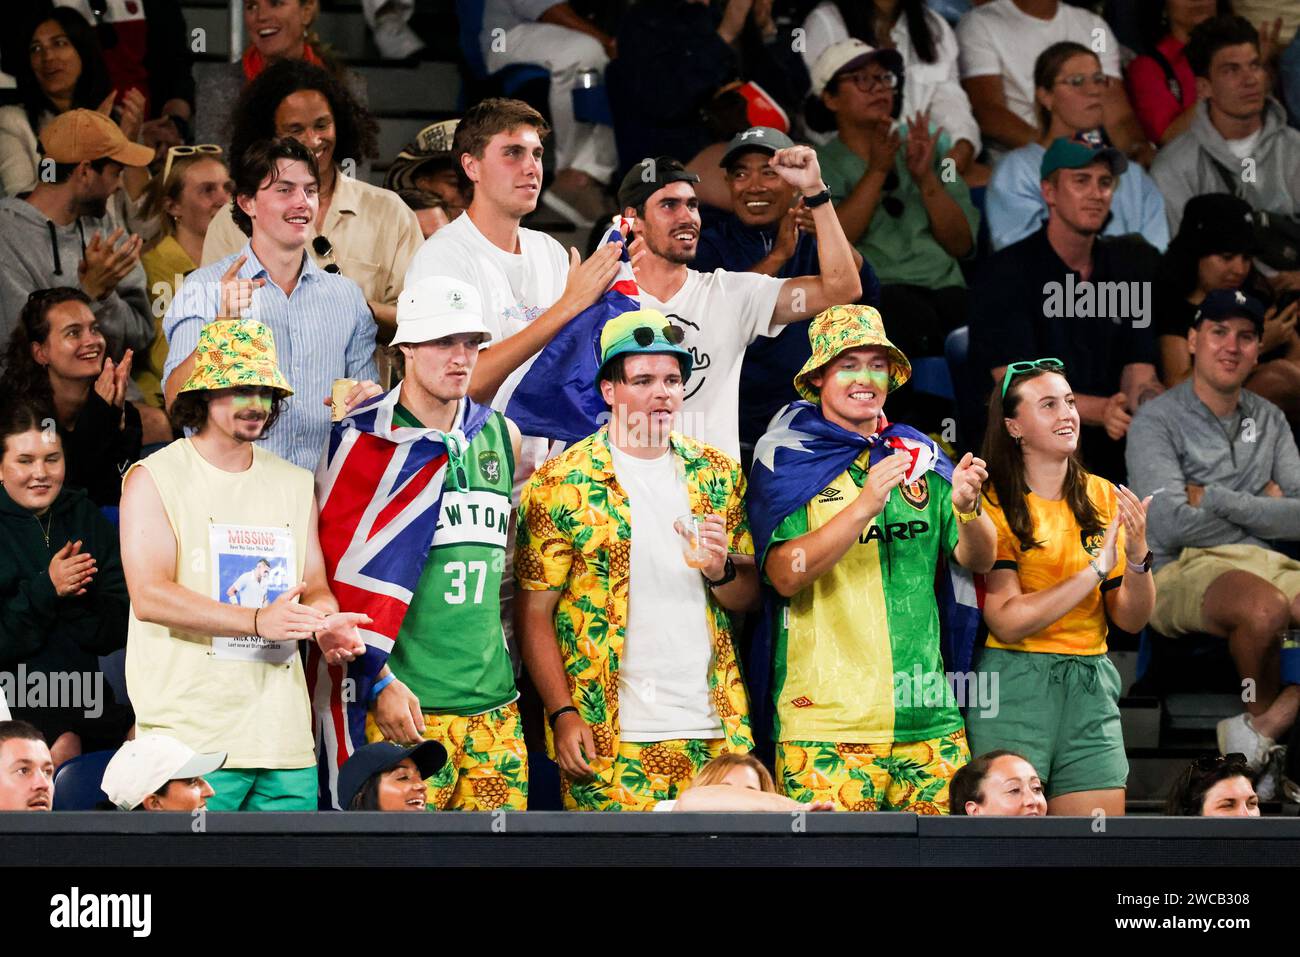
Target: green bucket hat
column 643, row 332
column 839, row 329
column 233, row 353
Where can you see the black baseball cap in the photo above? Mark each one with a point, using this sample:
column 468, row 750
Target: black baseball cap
column 429, row 757
column 649, row 176
column 1231, row 304
column 1217, row 223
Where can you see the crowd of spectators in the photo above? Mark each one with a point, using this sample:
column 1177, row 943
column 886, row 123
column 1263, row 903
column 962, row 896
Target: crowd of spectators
column 257, row 413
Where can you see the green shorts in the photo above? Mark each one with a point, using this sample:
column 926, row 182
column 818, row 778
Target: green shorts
column 263, row 789
column 1060, row 711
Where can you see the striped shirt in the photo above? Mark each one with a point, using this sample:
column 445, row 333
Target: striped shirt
column 323, row 331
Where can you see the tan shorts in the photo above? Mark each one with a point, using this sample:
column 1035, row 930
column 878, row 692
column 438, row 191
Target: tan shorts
column 1181, row 585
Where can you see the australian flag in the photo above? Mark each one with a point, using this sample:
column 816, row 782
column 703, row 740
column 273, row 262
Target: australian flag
column 379, row 488
column 557, row 398
column 800, row 455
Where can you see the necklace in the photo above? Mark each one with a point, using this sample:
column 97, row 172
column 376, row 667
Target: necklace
column 45, row 529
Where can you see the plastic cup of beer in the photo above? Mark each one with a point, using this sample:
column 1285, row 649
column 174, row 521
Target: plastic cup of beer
column 688, row 528
column 339, row 399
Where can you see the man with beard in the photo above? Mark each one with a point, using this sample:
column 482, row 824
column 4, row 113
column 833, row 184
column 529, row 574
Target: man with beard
column 215, row 676
column 59, row 234
column 723, row 312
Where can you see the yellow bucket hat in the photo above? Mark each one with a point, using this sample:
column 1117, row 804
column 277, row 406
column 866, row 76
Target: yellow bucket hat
column 839, row 329
column 233, row 353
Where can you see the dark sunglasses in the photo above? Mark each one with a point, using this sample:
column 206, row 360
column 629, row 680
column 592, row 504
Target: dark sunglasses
column 1020, row 368
column 644, row 335
column 1212, row 762
column 325, row 249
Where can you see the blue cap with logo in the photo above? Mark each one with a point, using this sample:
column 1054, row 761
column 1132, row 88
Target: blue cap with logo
column 1231, row 304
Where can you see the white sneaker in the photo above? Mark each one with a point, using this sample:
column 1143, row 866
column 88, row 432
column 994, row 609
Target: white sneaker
column 1236, row 735
column 396, row 40
column 1270, row 784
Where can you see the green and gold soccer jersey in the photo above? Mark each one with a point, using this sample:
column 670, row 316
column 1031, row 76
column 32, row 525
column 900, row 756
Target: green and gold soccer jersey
column 451, row 650
column 857, row 656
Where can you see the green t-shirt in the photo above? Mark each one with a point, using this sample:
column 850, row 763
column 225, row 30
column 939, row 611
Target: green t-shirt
column 901, row 249
column 857, row 652
column 451, row 650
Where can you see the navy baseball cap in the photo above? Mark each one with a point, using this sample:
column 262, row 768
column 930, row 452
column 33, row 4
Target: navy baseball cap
column 1231, row 304
column 1082, row 149
column 429, row 757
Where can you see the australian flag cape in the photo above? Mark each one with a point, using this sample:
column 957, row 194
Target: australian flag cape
column 800, row 455
column 557, row 397
column 379, row 488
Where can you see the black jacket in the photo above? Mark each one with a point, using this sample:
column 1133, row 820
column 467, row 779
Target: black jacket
column 98, row 452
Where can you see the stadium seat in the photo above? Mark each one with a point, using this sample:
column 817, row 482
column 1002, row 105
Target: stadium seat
column 77, row 782
column 930, row 375
column 507, row 82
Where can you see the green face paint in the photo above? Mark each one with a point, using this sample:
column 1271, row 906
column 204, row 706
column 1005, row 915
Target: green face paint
column 877, row 380
column 261, row 403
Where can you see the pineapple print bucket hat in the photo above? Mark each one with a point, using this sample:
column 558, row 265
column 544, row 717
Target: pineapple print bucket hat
column 839, row 329
column 233, row 353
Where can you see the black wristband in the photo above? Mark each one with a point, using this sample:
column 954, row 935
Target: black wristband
column 820, row 199
column 728, row 574
column 554, row 716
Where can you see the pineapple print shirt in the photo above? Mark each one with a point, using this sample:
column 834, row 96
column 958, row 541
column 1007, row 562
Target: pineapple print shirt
column 575, row 537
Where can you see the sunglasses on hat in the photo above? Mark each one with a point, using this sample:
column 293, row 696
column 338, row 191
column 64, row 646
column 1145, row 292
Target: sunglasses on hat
column 644, row 335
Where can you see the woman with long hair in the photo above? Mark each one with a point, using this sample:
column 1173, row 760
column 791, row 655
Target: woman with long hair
column 1214, row 249
column 63, row 599
column 193, row 187
column 364, row 232
column 1069, row 84
column 929, row 51
column 1160, row 82
column 1071, row 557
column 57, row 355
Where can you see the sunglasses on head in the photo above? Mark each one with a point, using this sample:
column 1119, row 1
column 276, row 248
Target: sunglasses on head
column 325, row 249
column 1020, row 368
column 173, row 152
column 1212, row 762
column 644, row 335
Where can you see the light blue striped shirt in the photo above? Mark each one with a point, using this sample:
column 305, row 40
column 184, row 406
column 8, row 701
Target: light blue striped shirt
column 323, row 331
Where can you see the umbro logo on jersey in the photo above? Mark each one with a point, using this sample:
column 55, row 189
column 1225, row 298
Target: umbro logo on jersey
column 830, row 494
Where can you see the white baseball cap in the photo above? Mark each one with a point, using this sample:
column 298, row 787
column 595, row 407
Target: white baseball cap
column 438, row 306
column 850, row 53
column 142, row 766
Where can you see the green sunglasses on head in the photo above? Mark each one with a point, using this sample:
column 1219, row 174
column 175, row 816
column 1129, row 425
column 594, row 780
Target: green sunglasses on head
column 1020, row 368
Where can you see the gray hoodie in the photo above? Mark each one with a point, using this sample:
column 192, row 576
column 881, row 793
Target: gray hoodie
column 1175, row 440
column 1187, row 166
column 27, row 263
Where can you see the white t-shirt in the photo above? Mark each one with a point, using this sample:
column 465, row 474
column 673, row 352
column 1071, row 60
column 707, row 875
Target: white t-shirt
column 249, row 592
column 663, row 675
column 997, row 39
column 721, row 313
column 1245, row 146
column 516, row 289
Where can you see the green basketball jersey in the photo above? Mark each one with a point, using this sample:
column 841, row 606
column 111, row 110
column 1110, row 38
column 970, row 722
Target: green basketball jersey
column 451, row 650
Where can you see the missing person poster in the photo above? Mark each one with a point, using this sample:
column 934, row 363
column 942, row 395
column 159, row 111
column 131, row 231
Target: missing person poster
column 251, row 566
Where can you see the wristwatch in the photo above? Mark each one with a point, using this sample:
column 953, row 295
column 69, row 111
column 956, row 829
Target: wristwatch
column 728, row 574
column 817, row 199
column 965, row 517
column 1144, row 566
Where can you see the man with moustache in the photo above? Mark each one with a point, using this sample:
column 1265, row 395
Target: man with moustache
column 769, row 233
column 633, row 546
column 320, row 319
column 215, row 676
column 448, row 677
column 1222, row 465
column 1019, row 308
column 723, row 312
column 26, row 768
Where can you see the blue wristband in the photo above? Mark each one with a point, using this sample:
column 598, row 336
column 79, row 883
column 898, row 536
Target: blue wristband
column 380, row 685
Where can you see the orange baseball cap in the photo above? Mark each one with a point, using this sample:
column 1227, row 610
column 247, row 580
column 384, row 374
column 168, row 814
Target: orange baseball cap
column 85, row 135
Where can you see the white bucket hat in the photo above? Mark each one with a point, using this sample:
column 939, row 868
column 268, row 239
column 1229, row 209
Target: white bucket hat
column 438, row 306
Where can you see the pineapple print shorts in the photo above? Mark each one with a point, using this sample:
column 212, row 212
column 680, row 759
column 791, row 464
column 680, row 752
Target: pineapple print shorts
column 644, row 773
column 903, row 776
column 487, row 764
